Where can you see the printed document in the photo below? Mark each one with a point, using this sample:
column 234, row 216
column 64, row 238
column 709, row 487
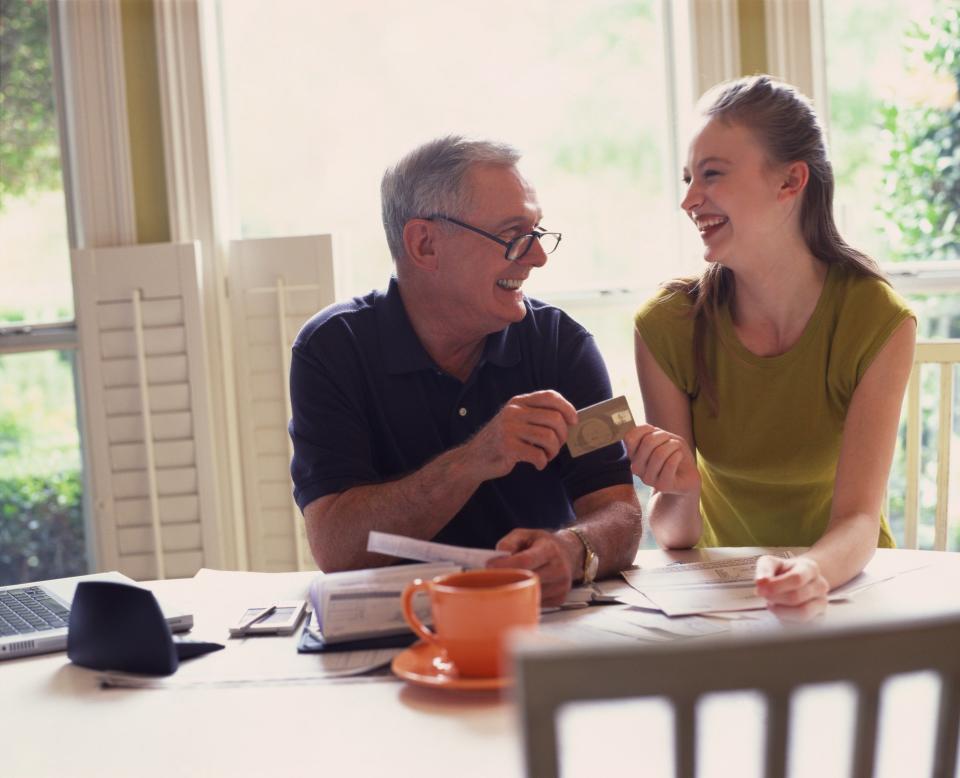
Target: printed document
column 718, row 585
column 701, row 587
column 366, row 603
column 427, row 551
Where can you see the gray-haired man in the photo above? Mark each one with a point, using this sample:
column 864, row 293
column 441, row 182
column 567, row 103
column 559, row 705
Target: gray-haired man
column 439, row 408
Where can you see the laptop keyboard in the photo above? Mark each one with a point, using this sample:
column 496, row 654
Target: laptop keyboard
column 30, row 609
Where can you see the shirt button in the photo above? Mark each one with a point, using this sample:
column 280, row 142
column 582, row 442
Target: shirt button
column 463, row 411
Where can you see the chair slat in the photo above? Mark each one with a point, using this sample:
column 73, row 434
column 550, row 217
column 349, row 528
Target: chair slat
column 776, row 743
column 911, row 507
column 945, row 745
column 944, row 431
column 685, row 737
column 865, row 730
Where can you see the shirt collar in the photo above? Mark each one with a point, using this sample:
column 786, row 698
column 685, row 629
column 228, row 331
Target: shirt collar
column 404, row 353
column 503, row 348
column 402, row 350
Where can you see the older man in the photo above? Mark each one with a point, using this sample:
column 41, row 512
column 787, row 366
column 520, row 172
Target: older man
column 439, row 409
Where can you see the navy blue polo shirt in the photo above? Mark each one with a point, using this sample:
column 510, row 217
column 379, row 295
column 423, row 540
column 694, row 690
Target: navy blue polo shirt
column 370, row 405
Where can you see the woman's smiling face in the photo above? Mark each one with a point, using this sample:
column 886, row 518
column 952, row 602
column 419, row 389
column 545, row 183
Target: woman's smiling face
column 732, row 193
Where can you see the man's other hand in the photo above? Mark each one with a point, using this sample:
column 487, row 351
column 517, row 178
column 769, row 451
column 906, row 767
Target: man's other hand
column 545, row 554
column 528, row 428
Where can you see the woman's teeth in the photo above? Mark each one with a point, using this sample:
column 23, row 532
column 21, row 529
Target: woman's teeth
column 708, row 224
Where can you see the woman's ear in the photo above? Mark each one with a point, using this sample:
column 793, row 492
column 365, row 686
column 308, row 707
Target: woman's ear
column 418, row 242
column 795, row 178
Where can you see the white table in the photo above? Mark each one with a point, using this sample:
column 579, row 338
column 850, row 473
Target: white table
column 56, row 721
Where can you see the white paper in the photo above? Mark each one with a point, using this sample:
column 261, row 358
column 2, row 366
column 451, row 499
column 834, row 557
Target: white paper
column 426, row 551
column 719, row 571
column 239, row 668
column 624, row 623
column 702, row 587
column 720, row 585
column 366, row 603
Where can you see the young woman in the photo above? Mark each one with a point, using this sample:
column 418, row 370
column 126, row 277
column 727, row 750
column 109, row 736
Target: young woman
column 773, row 382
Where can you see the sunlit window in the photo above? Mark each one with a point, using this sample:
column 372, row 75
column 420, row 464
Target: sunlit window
column 41, row 522
column 41, row 525
column 34, row 261
column 893, row 69
column 321, row 97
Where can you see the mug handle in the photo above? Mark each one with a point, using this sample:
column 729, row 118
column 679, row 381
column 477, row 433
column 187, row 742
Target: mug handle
column 407, row 601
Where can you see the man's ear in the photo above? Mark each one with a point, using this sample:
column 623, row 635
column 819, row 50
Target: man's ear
column 796, row 176
column 418, row 242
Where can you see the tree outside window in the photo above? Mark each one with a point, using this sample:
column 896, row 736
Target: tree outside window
column 41, row 523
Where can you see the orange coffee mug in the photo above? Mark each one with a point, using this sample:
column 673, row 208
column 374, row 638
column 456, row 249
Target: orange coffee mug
column 472, row 613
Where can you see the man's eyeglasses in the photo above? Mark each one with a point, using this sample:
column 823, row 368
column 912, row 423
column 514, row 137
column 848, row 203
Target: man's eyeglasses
column 516, row 248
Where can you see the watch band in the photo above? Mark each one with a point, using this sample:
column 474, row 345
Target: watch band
column 591, row 561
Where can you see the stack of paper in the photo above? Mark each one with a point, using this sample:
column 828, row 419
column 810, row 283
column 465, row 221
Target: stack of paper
column 366, row 603
column 718, row 586
column 701, row 587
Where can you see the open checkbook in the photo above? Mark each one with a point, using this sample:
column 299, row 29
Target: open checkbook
column 361, row 608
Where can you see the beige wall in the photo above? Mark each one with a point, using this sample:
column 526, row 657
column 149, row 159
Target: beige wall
column 143, row 112
column 753, row 41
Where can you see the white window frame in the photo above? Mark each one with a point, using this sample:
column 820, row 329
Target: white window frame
column 188, row 60
column 190, row 100
column 796, row 53
column 87, row 62
column 190, row 86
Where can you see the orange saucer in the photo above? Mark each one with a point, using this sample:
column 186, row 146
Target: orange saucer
column 423, row 664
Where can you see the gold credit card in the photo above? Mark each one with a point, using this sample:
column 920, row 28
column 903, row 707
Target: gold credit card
column 599, row 425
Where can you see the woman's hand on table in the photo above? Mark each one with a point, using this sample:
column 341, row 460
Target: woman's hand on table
column 795, row 589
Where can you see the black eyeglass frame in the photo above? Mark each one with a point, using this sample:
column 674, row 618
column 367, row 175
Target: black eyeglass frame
column 507, row 244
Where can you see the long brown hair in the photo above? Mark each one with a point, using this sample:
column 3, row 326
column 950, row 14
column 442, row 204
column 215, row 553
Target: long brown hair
column 785, row 124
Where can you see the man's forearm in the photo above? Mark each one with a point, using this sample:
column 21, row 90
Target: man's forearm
column 418, row 505
column 611, row 519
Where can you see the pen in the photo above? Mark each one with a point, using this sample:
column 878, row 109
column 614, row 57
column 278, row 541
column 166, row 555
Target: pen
column 245, row 626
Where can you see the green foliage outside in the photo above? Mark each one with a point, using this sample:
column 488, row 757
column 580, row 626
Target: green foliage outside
column 41, row 522
column 29, row 152
column 41, row 527
column 921, row 171
column 41, row 486
column 919, row 210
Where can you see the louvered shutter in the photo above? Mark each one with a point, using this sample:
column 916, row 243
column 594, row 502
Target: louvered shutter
column 141, row 343
column 276, row 284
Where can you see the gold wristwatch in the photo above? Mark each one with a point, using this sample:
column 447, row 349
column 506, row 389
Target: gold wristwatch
column 591, row 562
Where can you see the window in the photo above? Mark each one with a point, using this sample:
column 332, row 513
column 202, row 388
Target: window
column 41, row 524
column 893, row 68
column 321, row 98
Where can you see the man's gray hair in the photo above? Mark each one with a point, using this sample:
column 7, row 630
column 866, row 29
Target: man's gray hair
column 431, row 180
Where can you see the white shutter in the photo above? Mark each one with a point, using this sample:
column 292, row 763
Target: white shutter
column 141, row 344
column 276, row 284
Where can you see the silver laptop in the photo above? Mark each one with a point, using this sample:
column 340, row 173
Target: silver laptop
column 34, row 616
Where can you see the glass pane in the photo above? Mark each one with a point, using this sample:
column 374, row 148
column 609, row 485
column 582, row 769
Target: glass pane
column 939, row 319
column 41, row 484
column 322, row 97
column 34, row 259
column 892, row 70
column 610, row 320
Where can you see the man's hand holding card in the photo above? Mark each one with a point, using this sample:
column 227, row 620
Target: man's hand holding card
column 600, row 425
